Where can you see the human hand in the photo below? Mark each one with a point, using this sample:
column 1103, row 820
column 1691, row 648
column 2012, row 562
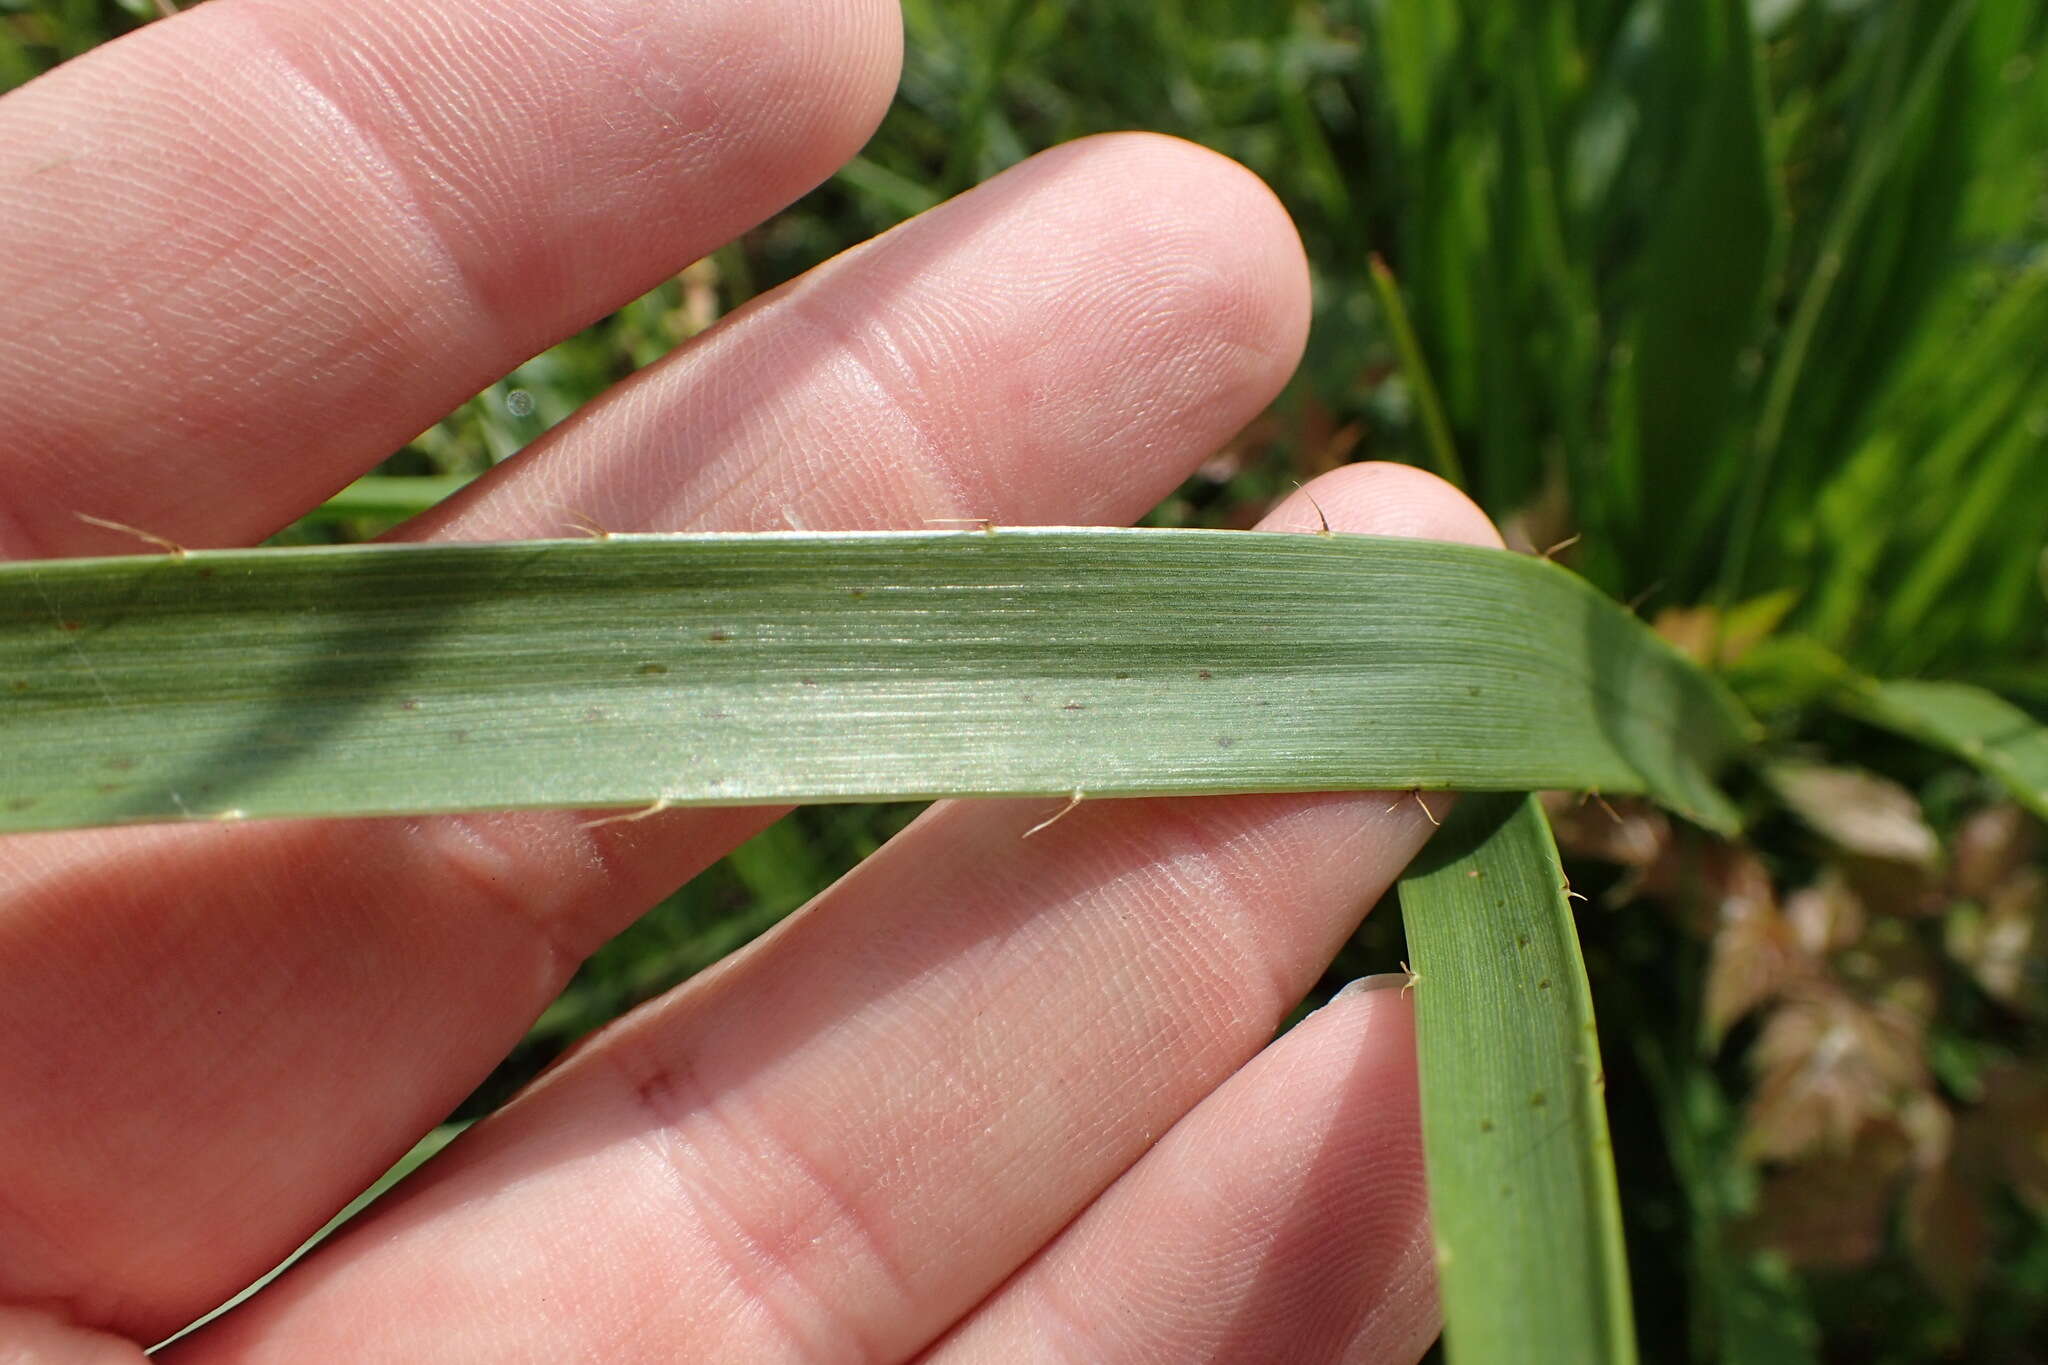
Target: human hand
column 989, row 1098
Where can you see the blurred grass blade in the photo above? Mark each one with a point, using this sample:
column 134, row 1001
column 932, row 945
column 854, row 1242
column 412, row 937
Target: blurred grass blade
column 386, row 495
column 897, row 192
column 1441, row 448
column 1530, row 1258
column 750, row 669
column 1703, row 279
column 1981, row 728
column 1876, row 155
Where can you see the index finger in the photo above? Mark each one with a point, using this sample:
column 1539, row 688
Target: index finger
column 247, row 252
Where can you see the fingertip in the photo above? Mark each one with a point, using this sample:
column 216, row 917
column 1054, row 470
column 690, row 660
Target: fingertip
column 833, row 85
column 1385, row 499
column 35, row 1339
column 1219, row 248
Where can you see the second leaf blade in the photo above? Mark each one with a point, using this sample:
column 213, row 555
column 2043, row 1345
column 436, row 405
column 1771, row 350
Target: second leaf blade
column 1530, row 1261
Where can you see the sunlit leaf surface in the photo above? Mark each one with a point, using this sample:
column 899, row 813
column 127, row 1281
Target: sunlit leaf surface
column 739, row 669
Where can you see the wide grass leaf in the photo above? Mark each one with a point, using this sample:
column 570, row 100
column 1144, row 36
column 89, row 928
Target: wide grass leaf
column 1981, row 728
column 1530, row 1259
column 737, row 669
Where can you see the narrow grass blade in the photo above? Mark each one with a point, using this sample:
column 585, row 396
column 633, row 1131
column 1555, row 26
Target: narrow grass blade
column 1442, row 448
column 421, row 1152
column 1703, row 280
column 1981, row 728
column 385, row 495
column 1521, row 1173
column 753, row 669
column 892, row 189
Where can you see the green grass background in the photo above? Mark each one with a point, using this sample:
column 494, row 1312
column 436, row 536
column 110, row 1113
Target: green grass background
column 1750, row 295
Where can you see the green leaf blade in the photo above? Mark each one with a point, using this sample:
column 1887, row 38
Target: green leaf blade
column 757, row 669
column 1530, row 1260
column 1704, row 278
column 1981, row 728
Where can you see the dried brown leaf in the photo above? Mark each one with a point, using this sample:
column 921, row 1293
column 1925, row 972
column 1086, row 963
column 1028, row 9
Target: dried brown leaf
column 1755, row 955
column 1714, row 638
column 1832, row 1210
column 1891, row 967
column 1890, row 889
column 1858, row 812
column 1990, row 846
column 2003, row 943
column 1827, row 1067
column 1947, row 1233
column 1628, row 833
column 1827, row 916
column 2015, row 1112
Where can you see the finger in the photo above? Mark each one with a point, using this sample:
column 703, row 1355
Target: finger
column 273, row 1013
column 28, row 1338
column 1284, row 1219
column 1057, row 344
column 837, row 1143
column 247, row 252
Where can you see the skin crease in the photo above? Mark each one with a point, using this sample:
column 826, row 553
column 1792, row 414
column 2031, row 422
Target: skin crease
column 988, row 1096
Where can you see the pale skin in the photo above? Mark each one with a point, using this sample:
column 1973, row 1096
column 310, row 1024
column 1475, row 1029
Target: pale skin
column 988, row 1099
